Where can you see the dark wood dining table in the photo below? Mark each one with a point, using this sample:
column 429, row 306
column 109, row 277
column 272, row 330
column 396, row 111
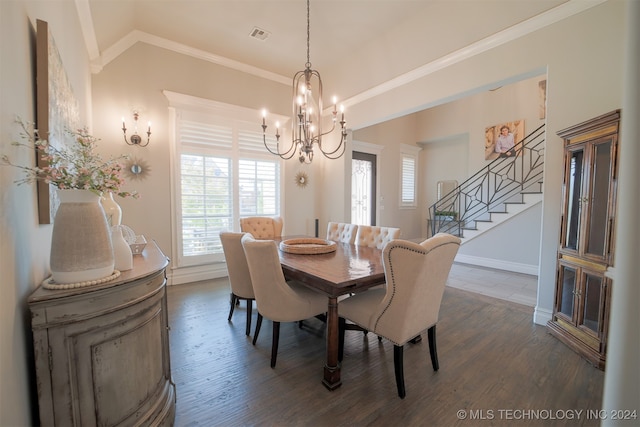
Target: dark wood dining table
column 350, row 269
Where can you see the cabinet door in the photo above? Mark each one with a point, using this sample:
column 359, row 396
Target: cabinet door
column 574, row 171
column 581, row 299
column 598, row 198
column 588, row 201
column 590, row 314
column 566, row 292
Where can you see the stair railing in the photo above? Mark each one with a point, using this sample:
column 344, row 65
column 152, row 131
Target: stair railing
column 494, row 184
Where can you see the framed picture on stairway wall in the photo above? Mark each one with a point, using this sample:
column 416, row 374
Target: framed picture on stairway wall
column 501, row 140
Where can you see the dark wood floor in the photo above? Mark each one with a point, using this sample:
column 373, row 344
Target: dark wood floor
column 496, row 366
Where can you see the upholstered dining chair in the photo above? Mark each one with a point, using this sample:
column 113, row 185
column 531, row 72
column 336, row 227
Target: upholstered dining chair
column 262, row 227
column 416, row 275
column 239, row 278
column 277, row 299
column 376, row 237
column 342, row 232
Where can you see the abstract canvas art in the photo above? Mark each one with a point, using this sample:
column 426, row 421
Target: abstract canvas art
column 57, row 109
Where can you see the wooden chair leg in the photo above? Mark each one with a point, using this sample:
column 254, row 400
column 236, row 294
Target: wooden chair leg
column 274, row 343
column 431, row 333
column 258, row 324
column 398, row 365
column 233, row 305
column 341, row 327
column 249, row 309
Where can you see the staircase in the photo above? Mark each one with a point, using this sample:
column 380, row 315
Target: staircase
column 505, row 187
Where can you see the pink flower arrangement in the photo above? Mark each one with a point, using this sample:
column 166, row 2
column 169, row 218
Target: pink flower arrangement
column 72, row 166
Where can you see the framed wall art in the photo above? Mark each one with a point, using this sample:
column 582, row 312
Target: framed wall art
column 57, row 109
column 500, row 139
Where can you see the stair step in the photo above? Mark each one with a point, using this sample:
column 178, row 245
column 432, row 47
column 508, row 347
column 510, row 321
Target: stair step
column 482, row 225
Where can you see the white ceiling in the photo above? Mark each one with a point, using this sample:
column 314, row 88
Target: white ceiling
column 407, row 33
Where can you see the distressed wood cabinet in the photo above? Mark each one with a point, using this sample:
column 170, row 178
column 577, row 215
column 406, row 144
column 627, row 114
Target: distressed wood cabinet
column 102, row 352
column 583, row 291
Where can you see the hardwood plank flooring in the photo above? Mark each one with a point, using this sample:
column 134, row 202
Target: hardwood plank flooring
column 515, row 287
column 495, row 364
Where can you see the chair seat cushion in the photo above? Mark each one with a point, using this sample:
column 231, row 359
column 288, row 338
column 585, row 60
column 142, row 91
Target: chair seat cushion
column 308, row 304
column 361, row 307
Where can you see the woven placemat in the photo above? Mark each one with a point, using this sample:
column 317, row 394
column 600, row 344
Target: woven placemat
column 307, row 246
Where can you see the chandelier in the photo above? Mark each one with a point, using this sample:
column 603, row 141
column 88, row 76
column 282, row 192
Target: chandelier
column 306, row 123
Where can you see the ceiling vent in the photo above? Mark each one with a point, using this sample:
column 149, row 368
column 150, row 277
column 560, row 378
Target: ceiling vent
column 259, row 34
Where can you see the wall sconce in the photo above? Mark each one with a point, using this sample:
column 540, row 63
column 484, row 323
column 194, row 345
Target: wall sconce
column 135, row 139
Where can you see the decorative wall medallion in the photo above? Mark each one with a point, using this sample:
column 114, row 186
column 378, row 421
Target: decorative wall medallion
column 137, row 169
column 302, row 179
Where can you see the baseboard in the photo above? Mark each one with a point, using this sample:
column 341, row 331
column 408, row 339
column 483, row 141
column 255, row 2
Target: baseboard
column 182, row 275
column 498, row 264
column 541, row 316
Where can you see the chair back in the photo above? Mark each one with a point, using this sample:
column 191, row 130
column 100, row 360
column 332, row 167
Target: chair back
column 342, row 232
column 239, row 276
column 262, row 227
column 416, row 276
column 376, row 237
column 274, row 297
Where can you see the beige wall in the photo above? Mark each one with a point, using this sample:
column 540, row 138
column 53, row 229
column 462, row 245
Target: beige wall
column 25, row 245
column 584, row 70
column 583, row 56
column 452, row 139
column 390, row 135
column 136, row 80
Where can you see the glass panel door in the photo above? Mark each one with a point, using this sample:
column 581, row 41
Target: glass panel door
column 592, row 296
column 598, row 199
column 363, row 189
column 574, row 198
column 568, row 287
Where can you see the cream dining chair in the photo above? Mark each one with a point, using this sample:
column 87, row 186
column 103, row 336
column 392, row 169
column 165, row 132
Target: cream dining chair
column 277, row 299
column 374, row 236
column 262, row 227
column 341, row 232
column 239, row 278
column 416, row 275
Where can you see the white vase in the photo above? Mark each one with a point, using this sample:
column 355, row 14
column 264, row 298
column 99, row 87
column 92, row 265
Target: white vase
column 81, row 248
column 122, row 254
column 112, row 209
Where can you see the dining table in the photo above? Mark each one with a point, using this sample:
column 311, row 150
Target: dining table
column 349, row 269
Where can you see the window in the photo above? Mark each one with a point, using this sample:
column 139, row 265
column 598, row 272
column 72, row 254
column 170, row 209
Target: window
column 224, row 173
column 409, row 176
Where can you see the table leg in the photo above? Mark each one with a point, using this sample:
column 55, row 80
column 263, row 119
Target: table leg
column 331, row 378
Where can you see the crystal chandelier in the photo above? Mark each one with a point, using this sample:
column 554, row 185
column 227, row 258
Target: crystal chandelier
column 306, row 123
